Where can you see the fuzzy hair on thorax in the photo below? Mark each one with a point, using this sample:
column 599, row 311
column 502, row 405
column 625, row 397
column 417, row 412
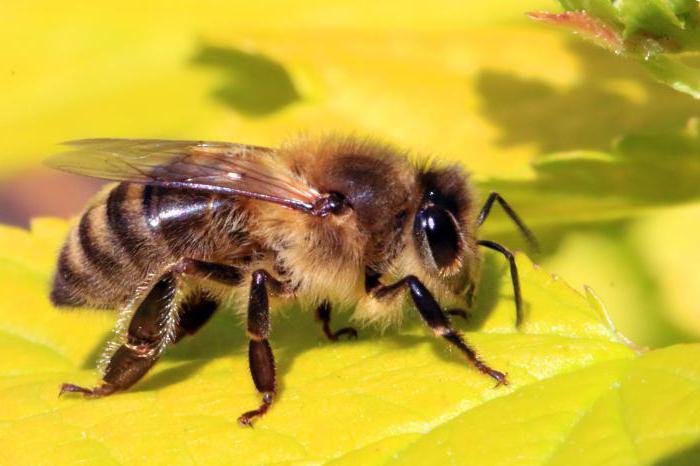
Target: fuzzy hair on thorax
column 327, row 258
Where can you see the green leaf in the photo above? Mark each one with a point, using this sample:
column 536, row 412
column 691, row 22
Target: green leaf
column 586, row 207
column 673, row 20
column 662, row 19
column 673, row 72
column 400, row 398
column 611, row 413
column 587, row 222
column 654, row 32
column 591, row 186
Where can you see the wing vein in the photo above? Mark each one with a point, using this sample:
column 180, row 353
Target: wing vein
column 249, row 171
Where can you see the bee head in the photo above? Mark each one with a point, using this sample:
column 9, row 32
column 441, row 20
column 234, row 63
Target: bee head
column 441, row 227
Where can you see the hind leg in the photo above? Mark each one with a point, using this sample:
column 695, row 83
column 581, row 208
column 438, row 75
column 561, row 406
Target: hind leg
column 158, row 321
column 149, row 326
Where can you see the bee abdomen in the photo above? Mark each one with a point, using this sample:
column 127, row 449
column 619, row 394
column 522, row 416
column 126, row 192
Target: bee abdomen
column 137, row 230
column 109, row 253
column 182, row 221
column 68, row 282
column 127, row 213
column 100, row 257
column 90, row 269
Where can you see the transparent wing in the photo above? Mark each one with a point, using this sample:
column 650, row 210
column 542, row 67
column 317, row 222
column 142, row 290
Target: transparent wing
column 237, row 169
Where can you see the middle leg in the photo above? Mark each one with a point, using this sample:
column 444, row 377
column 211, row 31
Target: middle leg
column 195, row 311
column 199, row 306
column 260, row 357
column 323, row 315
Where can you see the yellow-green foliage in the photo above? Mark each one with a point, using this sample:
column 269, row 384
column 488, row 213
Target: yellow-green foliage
column 480, row 84
column 578, row 394
column 600, row 159
column 663, row 35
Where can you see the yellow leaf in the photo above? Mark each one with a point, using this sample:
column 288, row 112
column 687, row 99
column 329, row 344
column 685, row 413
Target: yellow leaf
column 400, row 398
column 474, row 84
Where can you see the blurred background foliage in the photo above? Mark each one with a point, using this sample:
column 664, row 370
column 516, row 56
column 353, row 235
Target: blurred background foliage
column 602, row 160
column 662, row 35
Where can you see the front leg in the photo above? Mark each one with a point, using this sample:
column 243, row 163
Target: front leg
column 432, row 314
column 260, row 357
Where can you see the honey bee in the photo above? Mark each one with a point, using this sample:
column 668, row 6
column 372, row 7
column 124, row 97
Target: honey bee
column 334, row 220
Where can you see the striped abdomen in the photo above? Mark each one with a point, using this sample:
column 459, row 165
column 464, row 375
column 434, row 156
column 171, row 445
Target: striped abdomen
column 137, row 230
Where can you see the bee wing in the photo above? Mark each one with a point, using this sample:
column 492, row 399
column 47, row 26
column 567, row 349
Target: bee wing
column 238, row 169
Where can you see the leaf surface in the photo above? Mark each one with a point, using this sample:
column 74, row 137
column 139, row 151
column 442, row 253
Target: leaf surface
column 401, row 398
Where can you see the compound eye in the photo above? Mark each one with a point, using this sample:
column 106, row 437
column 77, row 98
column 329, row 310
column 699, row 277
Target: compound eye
column 441, row 233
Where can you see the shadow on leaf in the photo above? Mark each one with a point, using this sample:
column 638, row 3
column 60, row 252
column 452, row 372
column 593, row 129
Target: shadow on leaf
column 655, row 165
column 253, row 84
column 605, row 187
column 613, row 96
column 640, row 172
column 689, row 456
column 295, row 331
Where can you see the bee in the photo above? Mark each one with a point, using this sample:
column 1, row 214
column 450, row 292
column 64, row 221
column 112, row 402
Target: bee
column 328, row 221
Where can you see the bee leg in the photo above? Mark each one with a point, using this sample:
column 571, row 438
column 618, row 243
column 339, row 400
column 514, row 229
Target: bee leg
column 195, row 311
column 470, row 294
column 146, row 331
column 323, row 315
column 458, row 313
column 515, row 278
column 157, row 322
column 435, row 318
column 486, row 209
column 260, row 357
column 197, row 308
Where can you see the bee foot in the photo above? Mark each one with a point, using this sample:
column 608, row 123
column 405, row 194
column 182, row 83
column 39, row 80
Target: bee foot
column 102, row 390
column 70, row 388
column 349, row 331
column 500, row 377
column 246, row 419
